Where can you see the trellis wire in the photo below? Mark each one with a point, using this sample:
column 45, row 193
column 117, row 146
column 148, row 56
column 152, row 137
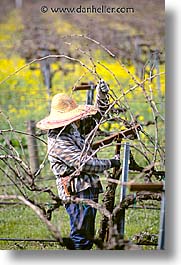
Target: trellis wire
column 54, row 241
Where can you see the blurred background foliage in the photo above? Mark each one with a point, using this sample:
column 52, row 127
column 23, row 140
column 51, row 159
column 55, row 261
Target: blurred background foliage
column 26, row 34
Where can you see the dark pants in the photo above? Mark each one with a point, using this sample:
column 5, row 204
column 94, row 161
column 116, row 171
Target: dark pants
column 82, row 220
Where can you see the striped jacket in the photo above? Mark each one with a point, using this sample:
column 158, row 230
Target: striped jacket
column 69, row 155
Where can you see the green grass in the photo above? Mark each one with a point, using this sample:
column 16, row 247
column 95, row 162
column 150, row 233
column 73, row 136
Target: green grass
column 21, row 222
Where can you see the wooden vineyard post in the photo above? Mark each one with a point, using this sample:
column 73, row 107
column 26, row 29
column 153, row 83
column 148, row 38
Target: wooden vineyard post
column 32, row 147
column 46, row 72
column 18, row 3
column 90, row 87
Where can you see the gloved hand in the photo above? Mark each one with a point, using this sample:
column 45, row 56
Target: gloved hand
column 115, row 163
column 103, row 86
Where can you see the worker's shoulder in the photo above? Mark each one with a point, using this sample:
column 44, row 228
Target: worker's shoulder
column 59, row 137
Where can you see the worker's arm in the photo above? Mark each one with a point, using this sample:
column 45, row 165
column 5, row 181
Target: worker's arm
column 101, row 103
column 65, row 153
column 102, row 97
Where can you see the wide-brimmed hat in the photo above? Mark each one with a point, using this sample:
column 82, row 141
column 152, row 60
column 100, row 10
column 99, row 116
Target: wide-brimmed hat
column 64, row 110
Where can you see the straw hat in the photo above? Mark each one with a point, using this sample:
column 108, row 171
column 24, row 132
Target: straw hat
column 64, row 110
